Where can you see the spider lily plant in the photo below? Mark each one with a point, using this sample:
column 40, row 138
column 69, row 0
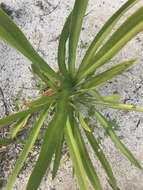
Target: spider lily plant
column 70, row 90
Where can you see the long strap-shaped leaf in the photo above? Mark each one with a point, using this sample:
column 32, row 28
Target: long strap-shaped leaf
column 13, row 117
column 75, row 29
column 52, row 137
column 104, row 32
column 108, row 127
column 35, row 106
column 36, row 70
column 109, row 74
column 83, row 123
column 99, row 153
column 27, row 148
column 58, row 156
column 130, row 28
column 87, row 163
column 76, row 157
column 14, row 36
column 20, row 124
column 62, row 46
column 119, row 106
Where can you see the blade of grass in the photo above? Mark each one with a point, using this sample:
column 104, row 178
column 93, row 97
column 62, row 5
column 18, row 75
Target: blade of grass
column 34, row 106
column 83, row 123
column 27, row 148
column 104, row 162
column 105, row 31
column 109, row 74
column 14, row 36
column 75, row 29
column 129, row 29
column 43, row 77
column 13, row 117
column 113, row 98
column 51, row 138
column 62, row 46
column 20, row 124
column 108, row 127
column 87, row 163
column 114, row 105
column 58, row 156
column 76, row 157
column 41, row 101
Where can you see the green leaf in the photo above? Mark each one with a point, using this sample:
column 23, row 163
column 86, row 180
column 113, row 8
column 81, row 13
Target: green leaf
column 58, row 156
column 27, row 148
column 108, row 75
column 62, row 46
column 43, row 77
column 104, row 162
column 108, row 127
column 14, row 36
column 51, row 138
column 114, row 105
column 20, row 124
column 75, row 29
column 34, row 106
column 129, row 29
column 113, row 98
column 13, row 117
column 83, row 123
column 87, row 163
column 104, row 32
column 76, row 157
column 41, row 101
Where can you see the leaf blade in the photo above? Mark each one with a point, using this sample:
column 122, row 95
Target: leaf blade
column 108, row 127
column 75, row 29
column 35, row 106
column 87, row 163
column 108, row 74
column 51, row 138
column 62, row 46
column 104, row 162
column 105, row 31
column 129, row 29
column 20, row 124
column 58, row 156
column 27, row 148
column 76, row 158
column 13, row 35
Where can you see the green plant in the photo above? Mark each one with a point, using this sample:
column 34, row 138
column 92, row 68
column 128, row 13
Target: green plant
column 71, row 90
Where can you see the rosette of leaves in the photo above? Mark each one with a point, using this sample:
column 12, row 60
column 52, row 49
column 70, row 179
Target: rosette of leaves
column 69, row 90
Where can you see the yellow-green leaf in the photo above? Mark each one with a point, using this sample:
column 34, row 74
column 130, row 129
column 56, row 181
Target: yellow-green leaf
column 108, row 127
column 20, row 124
column 83, row 123
column 76, row 157
column 105, row 31
column 104, row 162
column 58, row 156
column 129, row 29
column 75, row 29
column 51, row 138
column 14, row 36
column 87, row 163
column 109, row 74
column 27, row 148
column 62, row 46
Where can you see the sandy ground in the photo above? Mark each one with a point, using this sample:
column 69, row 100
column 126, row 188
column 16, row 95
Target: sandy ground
column 42, row 21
